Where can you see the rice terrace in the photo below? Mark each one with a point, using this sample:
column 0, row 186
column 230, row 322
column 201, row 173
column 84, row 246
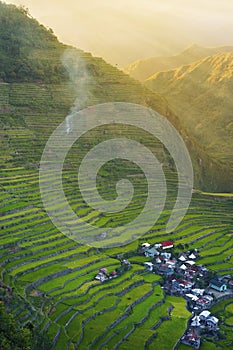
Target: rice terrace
column 162, row 290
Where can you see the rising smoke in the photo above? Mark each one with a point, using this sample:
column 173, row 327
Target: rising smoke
column 81, row 81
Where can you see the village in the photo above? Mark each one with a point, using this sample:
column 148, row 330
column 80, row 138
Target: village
column 182, row 276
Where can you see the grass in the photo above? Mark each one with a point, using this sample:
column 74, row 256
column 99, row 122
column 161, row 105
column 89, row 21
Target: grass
column 224, row 311
column 32, row 256
column 75, row 293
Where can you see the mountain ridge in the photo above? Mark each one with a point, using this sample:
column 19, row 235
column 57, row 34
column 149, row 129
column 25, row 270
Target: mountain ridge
column 40, row 94
column 143, row 69
column 217, row 64
column 200, row 94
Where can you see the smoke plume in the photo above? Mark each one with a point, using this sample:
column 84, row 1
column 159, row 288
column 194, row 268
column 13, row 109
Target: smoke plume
column 81, row 81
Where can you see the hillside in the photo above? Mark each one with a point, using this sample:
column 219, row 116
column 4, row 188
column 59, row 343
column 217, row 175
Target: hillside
column 201, row 96
column 143, row 69
column 42, row 79
column 47, row 280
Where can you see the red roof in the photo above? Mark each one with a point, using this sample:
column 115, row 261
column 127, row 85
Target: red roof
column 167, row 244
column 185, row 283
column 113, row 273
column 203, row 301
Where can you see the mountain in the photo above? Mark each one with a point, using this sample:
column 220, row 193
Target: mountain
column 201, row 95
column 28, row 51
column 42, row 79
column 48, row 281
column 143, row 69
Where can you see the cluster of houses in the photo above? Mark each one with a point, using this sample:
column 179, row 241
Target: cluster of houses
column 191, row 338
column 165, row 264
column 182, row 276
column 103, row 274
column 203, row 322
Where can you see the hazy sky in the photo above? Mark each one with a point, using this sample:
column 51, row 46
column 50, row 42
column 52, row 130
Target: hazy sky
column 123, row 31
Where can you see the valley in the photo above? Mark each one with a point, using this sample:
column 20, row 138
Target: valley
column 48, row 281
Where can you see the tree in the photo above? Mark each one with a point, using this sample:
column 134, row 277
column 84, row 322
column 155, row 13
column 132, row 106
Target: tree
column 10, row 336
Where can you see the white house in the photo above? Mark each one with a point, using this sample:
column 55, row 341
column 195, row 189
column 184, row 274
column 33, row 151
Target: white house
column 196, row 321
column 198, row 291
column 192, row 297
column 192, row 256
column 204, row 314
column 212, row 321
column 182, row 257
column 146, row 245
column 149, row 266
column 171, row 263
column 166, row 255
column 157, row 245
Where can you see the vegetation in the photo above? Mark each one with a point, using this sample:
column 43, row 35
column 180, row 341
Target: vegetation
column 12, row 336
column 24, row 45
column 53, row 277
column 224, row 311
column 201, row 96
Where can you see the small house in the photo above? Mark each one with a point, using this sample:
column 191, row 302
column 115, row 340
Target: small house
column 183, row 257
column 183, row 267
column 149, row 266
column 157, row 245
column 191, row 338
column 212, row 322
column 167, row 245
column 196, row 321
column 209, row 298
column 146, row 245
column 218, row 285
column 166, row 255
column 151, row 253
column 192, row 256
column 101, row 277
column 113, row 274
column 197, row 291
column 172, row 262
column 191, row 297
column 204, row 315
column 159, row 260
column 202, row 303
column 190, row 273
column 165, row 269
column 185, row 285
column 126, row 262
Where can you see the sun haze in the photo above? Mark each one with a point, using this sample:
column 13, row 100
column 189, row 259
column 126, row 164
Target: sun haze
column 126, row 30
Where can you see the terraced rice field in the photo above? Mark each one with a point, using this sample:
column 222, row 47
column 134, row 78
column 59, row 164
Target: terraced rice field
column 54, row 276
column 224, row 311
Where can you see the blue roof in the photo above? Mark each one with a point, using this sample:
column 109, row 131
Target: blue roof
column 152, row 251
